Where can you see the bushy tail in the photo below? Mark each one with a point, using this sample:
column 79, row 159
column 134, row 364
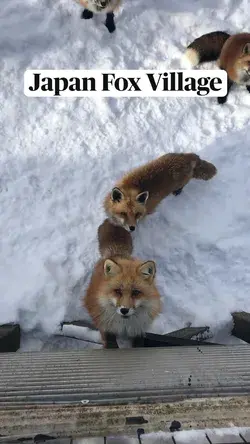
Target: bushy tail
column 204, row 170
column 206, row 48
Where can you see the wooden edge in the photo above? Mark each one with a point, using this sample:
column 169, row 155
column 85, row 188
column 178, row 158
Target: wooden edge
column 241, row 327
column 91, row 421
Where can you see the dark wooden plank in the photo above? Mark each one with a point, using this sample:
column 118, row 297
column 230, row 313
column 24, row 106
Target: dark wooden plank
column 241, row 327
column 154, row 340
column 121, row 440
column 188, row 332
column 10, row 335
column 88, row 441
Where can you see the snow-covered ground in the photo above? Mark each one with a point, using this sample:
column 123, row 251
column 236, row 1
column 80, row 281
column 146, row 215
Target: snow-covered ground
column 59, row 157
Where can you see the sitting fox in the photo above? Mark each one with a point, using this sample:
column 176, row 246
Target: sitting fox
column 97, row 6
column 122, row 298
column 140, row 191
column 231, row 52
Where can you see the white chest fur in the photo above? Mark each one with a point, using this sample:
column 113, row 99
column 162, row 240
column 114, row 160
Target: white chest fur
column 129, row 327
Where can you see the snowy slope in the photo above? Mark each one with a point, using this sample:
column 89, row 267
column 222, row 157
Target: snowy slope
column 59, row 157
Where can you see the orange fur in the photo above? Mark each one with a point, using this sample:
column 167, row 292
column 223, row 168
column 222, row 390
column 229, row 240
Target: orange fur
column 114, row 240
column 232, row 53
column 158, row 178
column 123, row 283
column 234, row 60
column 112, row 6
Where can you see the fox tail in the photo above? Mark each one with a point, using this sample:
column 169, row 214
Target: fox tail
column 206, row 48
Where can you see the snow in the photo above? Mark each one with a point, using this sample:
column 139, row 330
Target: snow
column 59, row 157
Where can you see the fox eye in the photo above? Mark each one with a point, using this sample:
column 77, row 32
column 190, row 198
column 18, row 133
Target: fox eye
column 118, row 292
column 123, row 214
column 135, row 293
column 138, row 215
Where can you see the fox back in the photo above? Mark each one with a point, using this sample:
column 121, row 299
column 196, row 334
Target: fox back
column 114, row 240
column 122, row 298
column 231, row 52
column 140, row 191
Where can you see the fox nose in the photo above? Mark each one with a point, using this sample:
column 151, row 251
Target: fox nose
column 132, row 228
column 124, row 311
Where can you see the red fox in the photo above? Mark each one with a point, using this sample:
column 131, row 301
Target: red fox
column 98, row 6
column 140, row 191
column 122, row 298
column 114, row 240
column 231, row 52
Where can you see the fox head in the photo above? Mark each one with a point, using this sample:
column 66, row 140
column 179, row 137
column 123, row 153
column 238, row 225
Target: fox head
column 243, row 65
column 129, row 288
column 127, row 208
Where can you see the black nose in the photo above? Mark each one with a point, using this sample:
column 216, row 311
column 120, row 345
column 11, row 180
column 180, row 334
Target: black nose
column 132, row 228
column 124, row 311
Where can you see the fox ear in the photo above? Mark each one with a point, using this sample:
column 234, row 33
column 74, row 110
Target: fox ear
column 148, row 270
column 142, row 197
column 246, row 49
column 111, row 268
column 116, row 195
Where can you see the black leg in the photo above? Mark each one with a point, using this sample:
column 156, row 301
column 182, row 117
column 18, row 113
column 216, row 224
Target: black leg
column 86, row 14
column 110, row 341
column 138, row 342
column 248, row 88
column 177, row 192
column 222, row 100
column 110, row 24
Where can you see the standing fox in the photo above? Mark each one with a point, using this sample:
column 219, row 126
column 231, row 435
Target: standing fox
column 231, row 52
column 122, row 298
column 139, row 192
column 97, row 6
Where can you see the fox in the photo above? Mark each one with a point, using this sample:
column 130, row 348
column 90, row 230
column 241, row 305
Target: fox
column 141, row 190
column 232, row 53
column 122, row 298
column 108, row 7
column 114, row 240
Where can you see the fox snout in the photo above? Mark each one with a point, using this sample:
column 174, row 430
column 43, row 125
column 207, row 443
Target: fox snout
column 125, row 224
column 125, row 312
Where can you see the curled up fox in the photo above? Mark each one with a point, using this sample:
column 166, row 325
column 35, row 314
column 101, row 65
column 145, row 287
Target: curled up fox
column 140, row 191
column 232, row 54
column 122, row 298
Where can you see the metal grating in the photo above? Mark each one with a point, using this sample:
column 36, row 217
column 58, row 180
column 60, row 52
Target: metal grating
column 124, row 376
column 94, row 393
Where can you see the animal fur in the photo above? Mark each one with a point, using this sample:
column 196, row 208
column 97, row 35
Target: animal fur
column 119, row 284
column 98, row 6
column 140, row 191
column 232, row 54
column 114, row 240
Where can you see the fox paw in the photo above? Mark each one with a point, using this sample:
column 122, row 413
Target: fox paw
column 86, row 14
column 222, row 100
column 177, row 192
column 248, row 88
